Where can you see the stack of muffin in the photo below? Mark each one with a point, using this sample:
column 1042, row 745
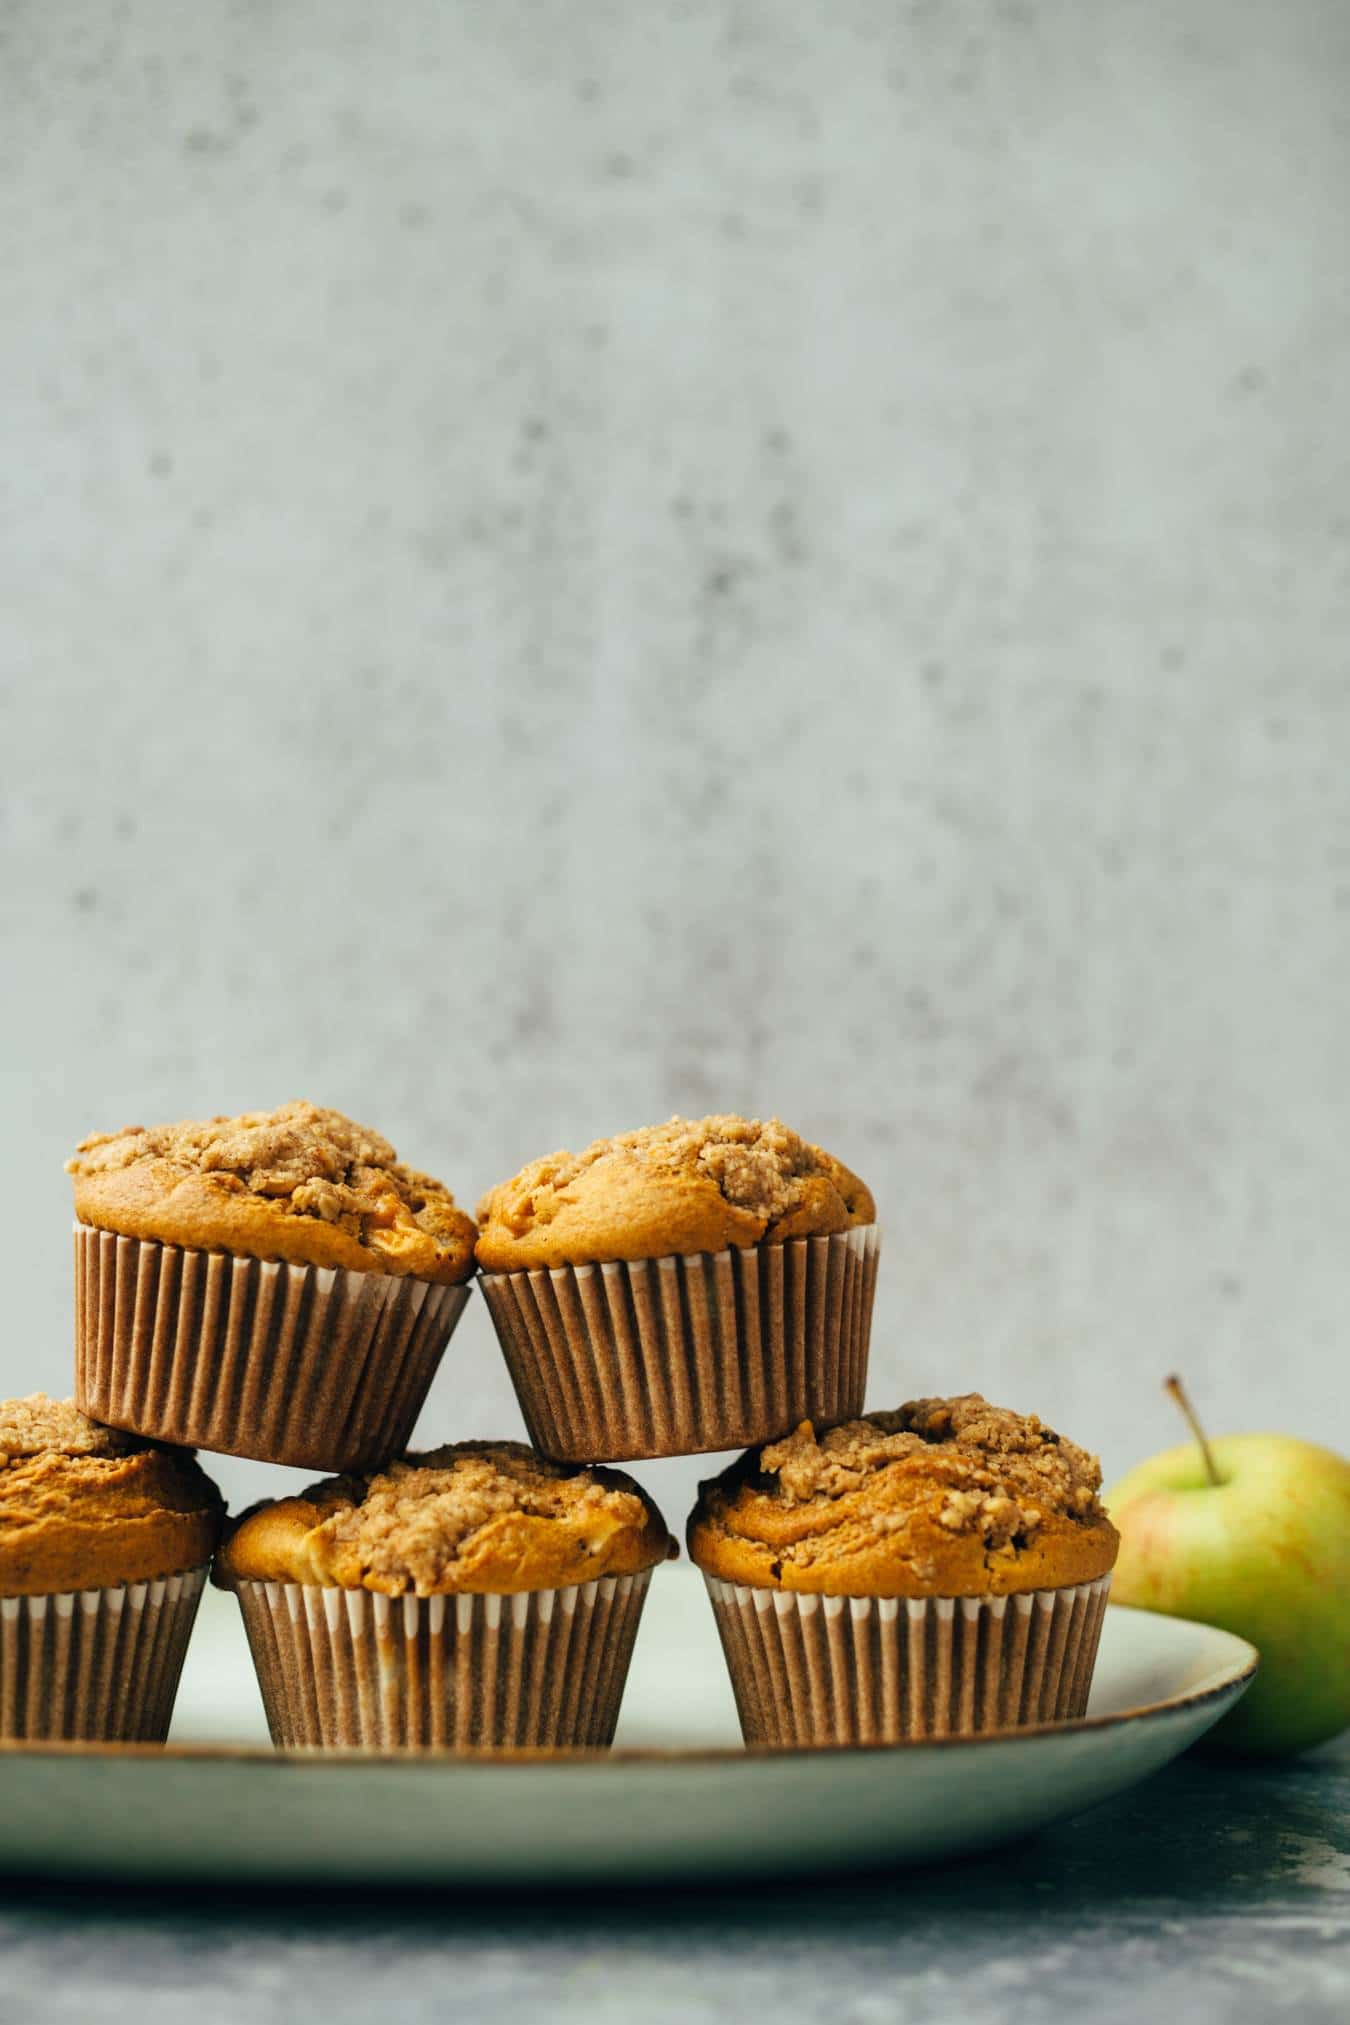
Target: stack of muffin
column 280, row 1286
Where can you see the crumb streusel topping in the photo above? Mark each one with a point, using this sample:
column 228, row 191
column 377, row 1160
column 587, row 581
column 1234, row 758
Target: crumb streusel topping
column 300, row 1182
column 416, row 1519
column 471, row 1515
column 38, row 1425
column 939, row 1497
column 687, row 1185
column 1006, row 1471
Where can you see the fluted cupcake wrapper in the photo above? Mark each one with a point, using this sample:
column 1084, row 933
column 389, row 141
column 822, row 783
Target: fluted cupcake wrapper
column 688, row 1353
column 315, row 1366
column 341, row 1668
column 877, row 1670
column 96, row 1664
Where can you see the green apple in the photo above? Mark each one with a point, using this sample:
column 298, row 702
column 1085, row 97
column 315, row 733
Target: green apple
column 1264, row 1552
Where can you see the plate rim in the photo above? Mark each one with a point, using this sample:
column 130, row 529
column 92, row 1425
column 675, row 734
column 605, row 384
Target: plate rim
column 1238, row 1674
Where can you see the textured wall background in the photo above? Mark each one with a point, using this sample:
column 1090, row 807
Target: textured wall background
column 567, row 561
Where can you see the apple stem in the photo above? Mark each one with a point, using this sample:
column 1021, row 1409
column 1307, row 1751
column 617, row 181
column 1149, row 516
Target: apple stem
column 1177, row 1391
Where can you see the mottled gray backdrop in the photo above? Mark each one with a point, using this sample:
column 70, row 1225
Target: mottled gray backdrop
column 567, row 561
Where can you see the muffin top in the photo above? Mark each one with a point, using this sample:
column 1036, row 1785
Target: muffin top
column 471, row 1517
column 85, row 1507
column 301, row 1184
column 691, row 1185
column 944, row 1497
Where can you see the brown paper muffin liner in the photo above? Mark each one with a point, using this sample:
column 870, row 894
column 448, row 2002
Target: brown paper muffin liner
column 876, row 1670
column 685, row 1354
column 97, row 1664
column 310, row 1365
column 341, row 1668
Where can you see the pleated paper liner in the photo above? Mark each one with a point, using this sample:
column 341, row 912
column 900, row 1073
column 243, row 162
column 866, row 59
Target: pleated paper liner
column 686, row 1354
column 878, row 1670
column 101, row 1665
column 340, row 1668
column 318, row 1367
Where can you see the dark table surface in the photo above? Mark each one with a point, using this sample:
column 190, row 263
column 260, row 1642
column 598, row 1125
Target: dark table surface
column 1214, row 1891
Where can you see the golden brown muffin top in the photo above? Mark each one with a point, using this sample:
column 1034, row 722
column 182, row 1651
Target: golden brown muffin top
column 690, row 1185
column 468, row 1518
column 87, row 1507
column 301, row 1184
column 944, row 1497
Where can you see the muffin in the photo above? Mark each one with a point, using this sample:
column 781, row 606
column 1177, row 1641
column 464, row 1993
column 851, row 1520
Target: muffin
column 935, row 1571
column 276, row 1285
column 477, row 1596
column 697, row 1285
column 104, row 1545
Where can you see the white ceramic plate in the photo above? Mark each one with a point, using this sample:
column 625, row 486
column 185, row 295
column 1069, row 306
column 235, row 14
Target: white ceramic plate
column 677, row 1799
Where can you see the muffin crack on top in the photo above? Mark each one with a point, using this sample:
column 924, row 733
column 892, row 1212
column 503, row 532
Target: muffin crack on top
column 942, row 1495
column 300, row 1183
column 688, row 1185
column 467, row 1517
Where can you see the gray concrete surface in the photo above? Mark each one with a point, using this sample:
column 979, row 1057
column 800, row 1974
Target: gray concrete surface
column 563, row 562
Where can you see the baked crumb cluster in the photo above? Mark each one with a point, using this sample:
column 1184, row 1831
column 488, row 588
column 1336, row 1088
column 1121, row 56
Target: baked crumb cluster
column 760, row 1168
column 414, row 1521
column 1002, row 1473
column 38, row 1425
